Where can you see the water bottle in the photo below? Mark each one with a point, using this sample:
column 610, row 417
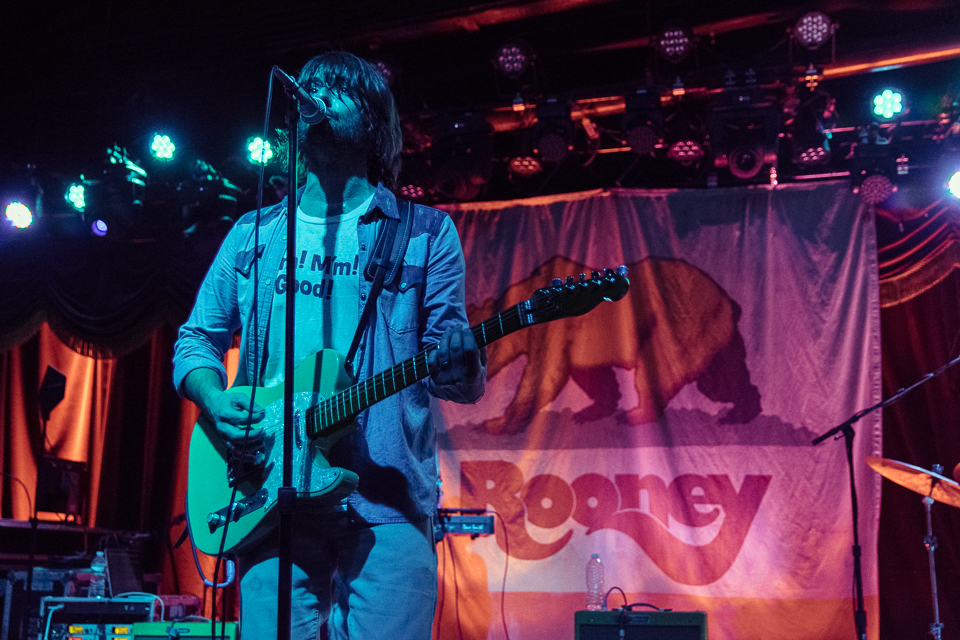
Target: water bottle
column 98, row 576
column 594, row 583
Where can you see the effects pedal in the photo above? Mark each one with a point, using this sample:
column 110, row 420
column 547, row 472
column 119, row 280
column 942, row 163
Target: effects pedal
column 166, row 630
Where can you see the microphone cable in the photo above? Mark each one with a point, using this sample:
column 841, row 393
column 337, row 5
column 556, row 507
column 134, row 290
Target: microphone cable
column 255, row 321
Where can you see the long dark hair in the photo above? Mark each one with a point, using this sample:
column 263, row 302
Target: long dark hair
column 342, row 71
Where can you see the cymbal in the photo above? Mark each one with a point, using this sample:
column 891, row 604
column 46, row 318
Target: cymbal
column 918, row 480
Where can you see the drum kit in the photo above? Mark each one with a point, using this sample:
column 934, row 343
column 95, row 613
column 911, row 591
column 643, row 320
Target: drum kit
column 934, row 487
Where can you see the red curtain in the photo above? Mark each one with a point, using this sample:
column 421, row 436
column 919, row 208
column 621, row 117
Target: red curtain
column 120, row 416
column 920, row 290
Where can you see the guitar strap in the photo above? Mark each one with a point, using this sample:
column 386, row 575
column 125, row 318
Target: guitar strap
column 386, row 261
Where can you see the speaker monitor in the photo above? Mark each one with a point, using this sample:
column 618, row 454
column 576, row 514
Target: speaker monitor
column 640, row 625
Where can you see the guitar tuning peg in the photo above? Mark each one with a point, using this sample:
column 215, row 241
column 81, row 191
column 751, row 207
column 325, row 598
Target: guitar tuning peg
column 569, row 279
column 622, row 270
column 583, row 277
column 596, row 275
column 556, row 282
column 608, row 272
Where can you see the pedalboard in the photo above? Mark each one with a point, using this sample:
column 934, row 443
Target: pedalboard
column 140, row 631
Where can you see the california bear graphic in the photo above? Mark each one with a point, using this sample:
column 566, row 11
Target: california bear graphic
column 675, row 326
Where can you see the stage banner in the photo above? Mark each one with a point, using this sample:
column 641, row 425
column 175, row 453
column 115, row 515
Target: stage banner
column 670, row 432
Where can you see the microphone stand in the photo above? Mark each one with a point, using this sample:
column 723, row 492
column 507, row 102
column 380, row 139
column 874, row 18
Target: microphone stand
column 286, row 494
column 845, row 429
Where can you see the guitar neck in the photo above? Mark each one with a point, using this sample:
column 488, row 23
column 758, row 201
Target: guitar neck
column 339, row 410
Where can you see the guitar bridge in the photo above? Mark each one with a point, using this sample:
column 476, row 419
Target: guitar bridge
column 236, row 510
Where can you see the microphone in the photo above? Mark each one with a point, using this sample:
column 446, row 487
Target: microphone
column 312, row 110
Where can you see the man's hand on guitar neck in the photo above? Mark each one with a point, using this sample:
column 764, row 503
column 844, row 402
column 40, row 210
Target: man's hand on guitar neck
column 457, row 359
column 229, row 412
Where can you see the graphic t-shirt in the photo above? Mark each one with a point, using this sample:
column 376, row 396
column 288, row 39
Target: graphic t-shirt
column 327, row 282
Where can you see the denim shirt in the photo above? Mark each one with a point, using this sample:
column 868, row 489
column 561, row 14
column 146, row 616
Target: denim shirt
column 393, row 448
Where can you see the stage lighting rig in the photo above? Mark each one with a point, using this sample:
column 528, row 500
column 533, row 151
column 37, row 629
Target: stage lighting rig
column 114, row 202
column 460, row 154
column 207, row 199
column 809, row 116
column 874, row 166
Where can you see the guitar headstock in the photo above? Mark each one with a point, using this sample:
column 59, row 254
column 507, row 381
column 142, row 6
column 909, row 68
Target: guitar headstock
column 574, row 297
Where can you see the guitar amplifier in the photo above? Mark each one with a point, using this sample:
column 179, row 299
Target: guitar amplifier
column 97, row 610
column 640, row 625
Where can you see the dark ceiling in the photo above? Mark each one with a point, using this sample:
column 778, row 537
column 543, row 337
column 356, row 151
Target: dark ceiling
column 81, row 76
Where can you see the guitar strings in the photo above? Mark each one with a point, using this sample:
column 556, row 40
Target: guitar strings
column 358, row 395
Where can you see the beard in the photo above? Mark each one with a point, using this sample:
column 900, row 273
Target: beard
column 334, row 143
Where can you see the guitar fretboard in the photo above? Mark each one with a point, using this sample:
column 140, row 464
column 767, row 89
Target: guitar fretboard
column 339, row 410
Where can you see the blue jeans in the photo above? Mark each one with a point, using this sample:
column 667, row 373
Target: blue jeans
column 368, row 582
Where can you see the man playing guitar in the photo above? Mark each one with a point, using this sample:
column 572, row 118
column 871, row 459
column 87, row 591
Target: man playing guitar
column 371, row 571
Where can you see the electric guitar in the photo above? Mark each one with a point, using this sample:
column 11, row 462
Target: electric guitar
column 325, row 404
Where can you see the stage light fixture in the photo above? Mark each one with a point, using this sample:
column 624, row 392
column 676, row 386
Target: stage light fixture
column 642, row 122
column 386, row 71
column 746, row 161
column 553, row 132
column 162, row 147
column 953, row 185
column 875, row 188
column 416, row 179
column 412, row 192
column 460, row 155
column 18, row 215
column 115, row 200
column 513, row 59
column 744, row 131
column 675, row 42
column 813, row 30
column 807, row 130
column 684, row 138
column 260, row 151
column 207, row 200
column 686, row 152
column 525, row 166
column 888, row 104
column 75, row 196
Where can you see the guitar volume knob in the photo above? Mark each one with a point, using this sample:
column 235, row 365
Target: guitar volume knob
column 556, row 282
